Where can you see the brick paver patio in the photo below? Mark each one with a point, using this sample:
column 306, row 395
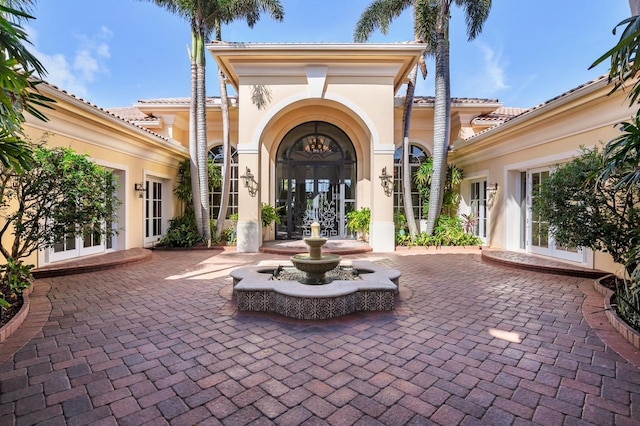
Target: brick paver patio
column 470, row 343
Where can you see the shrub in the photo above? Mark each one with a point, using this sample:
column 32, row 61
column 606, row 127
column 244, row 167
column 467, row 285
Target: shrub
column 627, row 303
column 14, row 279
column 269, row 214
column 359, row 221
column 599, row 214
column 451, row 196
column 64, row 191
column 182, row 232
column 449, row 231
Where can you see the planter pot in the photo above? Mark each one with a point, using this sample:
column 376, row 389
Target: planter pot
column 625, row 330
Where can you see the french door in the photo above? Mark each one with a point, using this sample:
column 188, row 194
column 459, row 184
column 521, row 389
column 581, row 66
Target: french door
column 316, row 193
column 90, row 241
column 478, row 204
column 153, row 209
column 539, row 238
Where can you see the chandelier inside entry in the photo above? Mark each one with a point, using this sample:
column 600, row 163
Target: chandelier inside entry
column 317, row 145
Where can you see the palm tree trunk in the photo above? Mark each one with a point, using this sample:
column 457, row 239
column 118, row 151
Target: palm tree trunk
column 635, row 7
column 441, row 119
column 193, row 152
column 226, row 146
column 203, row 171
column 406, row 154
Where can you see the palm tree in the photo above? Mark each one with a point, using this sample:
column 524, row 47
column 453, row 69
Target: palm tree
column 379, row 15
column 205, row 17
column 431, row 24
column 20, row 74
column 249, row 10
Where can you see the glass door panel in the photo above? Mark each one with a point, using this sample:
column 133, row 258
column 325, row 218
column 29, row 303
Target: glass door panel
column 539, row 237
column 539, row 226
column 315, row 180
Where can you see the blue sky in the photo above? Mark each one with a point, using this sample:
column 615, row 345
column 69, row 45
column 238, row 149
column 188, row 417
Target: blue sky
column 114, row 52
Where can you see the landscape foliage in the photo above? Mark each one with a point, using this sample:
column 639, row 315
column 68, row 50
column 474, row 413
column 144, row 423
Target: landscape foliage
column 64, row 195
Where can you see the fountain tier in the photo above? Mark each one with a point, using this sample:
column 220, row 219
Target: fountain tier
column 315, row 269
column 315, row 264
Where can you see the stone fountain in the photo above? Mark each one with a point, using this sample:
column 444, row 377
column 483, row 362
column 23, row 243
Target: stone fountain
column 315, row 264
column 315, row 296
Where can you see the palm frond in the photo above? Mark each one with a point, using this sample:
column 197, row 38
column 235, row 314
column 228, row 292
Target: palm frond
column 378, row 16
column 625, row 61
column 425, row 23
column 476, row 14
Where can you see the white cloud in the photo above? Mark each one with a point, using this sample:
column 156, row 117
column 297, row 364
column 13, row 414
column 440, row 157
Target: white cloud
column 494, row 69
column 76, row 69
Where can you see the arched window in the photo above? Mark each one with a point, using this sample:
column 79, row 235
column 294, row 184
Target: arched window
column 417, row 156
column 217, row 154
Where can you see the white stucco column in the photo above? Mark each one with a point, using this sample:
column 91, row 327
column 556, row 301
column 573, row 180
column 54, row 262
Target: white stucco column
column 249, row 225
column 382, row 229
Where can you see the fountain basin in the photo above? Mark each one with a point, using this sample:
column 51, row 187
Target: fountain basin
column 315, row 268
column 375, row 291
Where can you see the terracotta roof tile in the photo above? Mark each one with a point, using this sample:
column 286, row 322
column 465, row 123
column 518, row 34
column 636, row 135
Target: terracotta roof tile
column 425, row 100
column 501, row 115
column 132, row 114
column 211, row 100
column 526, row 112
column 71, row 95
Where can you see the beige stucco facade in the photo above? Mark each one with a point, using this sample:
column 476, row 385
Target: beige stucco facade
column 350, row 86
column 539, row 139
column 355, row 89
column 134, row 154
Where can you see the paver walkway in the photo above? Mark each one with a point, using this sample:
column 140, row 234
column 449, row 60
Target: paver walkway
column 470, row 343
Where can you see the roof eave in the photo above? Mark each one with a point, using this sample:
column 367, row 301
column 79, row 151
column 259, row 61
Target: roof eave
column 149, row 135
column 541, row 109
column 223, row 51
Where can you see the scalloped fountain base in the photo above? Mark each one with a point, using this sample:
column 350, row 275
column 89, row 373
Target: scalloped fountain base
column 257, row 292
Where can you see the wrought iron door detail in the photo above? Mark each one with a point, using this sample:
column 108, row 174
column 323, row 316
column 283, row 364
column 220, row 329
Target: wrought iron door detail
column 324, row 209
column 315, row 180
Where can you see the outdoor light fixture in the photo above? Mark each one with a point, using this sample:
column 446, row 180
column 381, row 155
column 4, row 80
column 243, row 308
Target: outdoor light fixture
column 249, row 182
column 491, row 191
column 386, row 180
column 139, row 188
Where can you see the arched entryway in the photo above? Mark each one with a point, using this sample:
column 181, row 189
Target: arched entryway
column 315, row 180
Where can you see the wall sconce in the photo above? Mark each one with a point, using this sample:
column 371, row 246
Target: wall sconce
column 386, row 180
column 139, row 188
column 491, row 191
column 249, row 182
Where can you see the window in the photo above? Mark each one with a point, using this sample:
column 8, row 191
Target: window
column 153, row 209
column 217, row 154
column 417, row 157
column 478, row 206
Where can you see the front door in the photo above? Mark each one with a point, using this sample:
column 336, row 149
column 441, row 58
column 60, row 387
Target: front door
column 315, row 176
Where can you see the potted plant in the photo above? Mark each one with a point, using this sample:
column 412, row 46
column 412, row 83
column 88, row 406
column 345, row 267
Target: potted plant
column 359, row 221
column 268, row 214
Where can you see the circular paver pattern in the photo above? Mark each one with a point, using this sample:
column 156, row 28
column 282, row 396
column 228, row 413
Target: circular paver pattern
column 469, row 343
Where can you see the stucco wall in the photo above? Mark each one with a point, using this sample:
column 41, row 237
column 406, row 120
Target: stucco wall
column 544, row 137
column 134, row 154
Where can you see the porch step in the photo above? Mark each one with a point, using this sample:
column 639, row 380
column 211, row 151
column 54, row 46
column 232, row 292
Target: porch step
column 95, row 263
column 532, row 262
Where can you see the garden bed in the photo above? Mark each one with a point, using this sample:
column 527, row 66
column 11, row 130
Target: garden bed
column 606, row 286
column 13, row 318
